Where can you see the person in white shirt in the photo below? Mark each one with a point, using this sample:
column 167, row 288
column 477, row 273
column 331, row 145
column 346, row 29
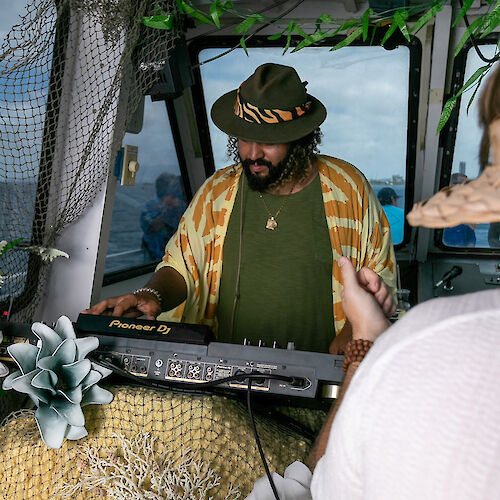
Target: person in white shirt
column 420, row 419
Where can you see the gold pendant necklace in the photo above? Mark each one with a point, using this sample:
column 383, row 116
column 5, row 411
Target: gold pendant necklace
column 272, row 223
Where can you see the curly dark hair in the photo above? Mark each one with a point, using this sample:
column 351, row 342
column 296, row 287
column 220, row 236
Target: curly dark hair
column 295, row 164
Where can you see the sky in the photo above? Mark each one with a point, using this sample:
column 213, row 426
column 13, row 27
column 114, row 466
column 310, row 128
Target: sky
column 468, row 130
column 365, row 91
column 10, row 9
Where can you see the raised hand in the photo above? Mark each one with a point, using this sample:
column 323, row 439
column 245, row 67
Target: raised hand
column 366, row 301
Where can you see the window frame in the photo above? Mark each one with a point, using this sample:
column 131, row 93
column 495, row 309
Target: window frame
column 448, row 138
column 131, row 272
column 415, row 51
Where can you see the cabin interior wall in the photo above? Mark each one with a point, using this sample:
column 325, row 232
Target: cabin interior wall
column 420, row 265
column 70, row 282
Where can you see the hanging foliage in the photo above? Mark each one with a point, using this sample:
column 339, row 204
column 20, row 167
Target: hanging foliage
column 327, row 26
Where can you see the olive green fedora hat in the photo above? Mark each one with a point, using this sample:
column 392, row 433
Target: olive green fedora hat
column 271, row 106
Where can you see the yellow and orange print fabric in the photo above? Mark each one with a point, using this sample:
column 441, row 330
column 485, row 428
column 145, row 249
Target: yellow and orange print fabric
column 357, row 225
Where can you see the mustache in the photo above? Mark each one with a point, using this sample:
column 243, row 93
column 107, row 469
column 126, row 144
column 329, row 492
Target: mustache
column 247, row 162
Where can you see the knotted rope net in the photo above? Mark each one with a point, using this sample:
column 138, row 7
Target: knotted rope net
column 148, row 444
column 72, row 73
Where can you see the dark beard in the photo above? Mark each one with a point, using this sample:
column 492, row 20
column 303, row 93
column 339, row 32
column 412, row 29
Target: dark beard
column 278, row 174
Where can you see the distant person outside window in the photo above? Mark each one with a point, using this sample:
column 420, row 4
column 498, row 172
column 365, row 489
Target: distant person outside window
column 396, row 216
column 160, row 216
column 462, row 235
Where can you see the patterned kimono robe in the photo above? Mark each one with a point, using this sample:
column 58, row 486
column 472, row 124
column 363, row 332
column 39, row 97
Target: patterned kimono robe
column 357, row 225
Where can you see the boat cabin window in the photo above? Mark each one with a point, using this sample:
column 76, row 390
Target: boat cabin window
column 147, row 214
column 366, row 92
column 465, row 162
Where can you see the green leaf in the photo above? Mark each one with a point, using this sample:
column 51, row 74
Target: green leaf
column 324, row 18
column 215, row 12
column 365, row 20
column 424, row 19
column 374, row 31
column 297, row 29
column 399, row 18
column 245, row 25
column 243, row 45
column 346, row 26
column 275, row 36
column 491, row 21
column 452, row 101
column 472, row 79
column 161, row 22
column 475, row 92
column 348, row 40
column 10, row 245
column 289, row 31
column 463, row 10
column 470, row 30
column 312, row 39
column 445, row 115
column 389, row 32
column 187, row 9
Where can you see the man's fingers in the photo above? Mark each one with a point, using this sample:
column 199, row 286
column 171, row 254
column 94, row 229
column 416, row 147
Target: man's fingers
column 123, row 305
column 131, row 314
column 101, row 307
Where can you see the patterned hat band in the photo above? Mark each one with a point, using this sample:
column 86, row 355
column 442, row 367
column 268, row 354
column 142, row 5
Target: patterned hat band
column 254, row 114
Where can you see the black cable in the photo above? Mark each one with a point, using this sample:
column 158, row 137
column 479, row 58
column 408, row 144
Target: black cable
column 214, row 383
column 237, row 377
column 257, row 440
column 474, row 43
column 293, row 7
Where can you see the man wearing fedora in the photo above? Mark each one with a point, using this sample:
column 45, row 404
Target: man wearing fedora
column 256, row 254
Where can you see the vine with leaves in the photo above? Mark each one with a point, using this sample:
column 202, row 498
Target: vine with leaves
column 361, row 27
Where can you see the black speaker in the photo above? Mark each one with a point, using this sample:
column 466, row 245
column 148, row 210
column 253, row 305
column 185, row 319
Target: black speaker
column 175, row 75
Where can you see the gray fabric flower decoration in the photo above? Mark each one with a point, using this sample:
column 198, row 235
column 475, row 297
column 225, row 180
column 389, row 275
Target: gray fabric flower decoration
column 59, row 380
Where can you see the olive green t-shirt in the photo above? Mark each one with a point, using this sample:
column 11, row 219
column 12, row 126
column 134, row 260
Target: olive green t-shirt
column 285, row 289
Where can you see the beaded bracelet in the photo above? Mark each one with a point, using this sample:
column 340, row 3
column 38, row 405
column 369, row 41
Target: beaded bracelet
column 355, row 350
column 152, row 291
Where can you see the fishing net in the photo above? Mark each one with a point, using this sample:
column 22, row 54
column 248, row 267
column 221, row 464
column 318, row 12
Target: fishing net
column 148, row 444
column 72, row 74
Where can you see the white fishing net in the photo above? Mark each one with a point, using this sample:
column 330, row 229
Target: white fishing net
column 72, row 73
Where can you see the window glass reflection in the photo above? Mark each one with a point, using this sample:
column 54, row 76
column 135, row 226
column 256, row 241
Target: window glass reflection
column 466, row 162
column 365, row 91
column 146, row 215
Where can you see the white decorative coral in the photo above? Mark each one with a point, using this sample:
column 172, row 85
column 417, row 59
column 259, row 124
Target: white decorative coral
column 47, row 254
column 139, row 472
column 59, row 380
